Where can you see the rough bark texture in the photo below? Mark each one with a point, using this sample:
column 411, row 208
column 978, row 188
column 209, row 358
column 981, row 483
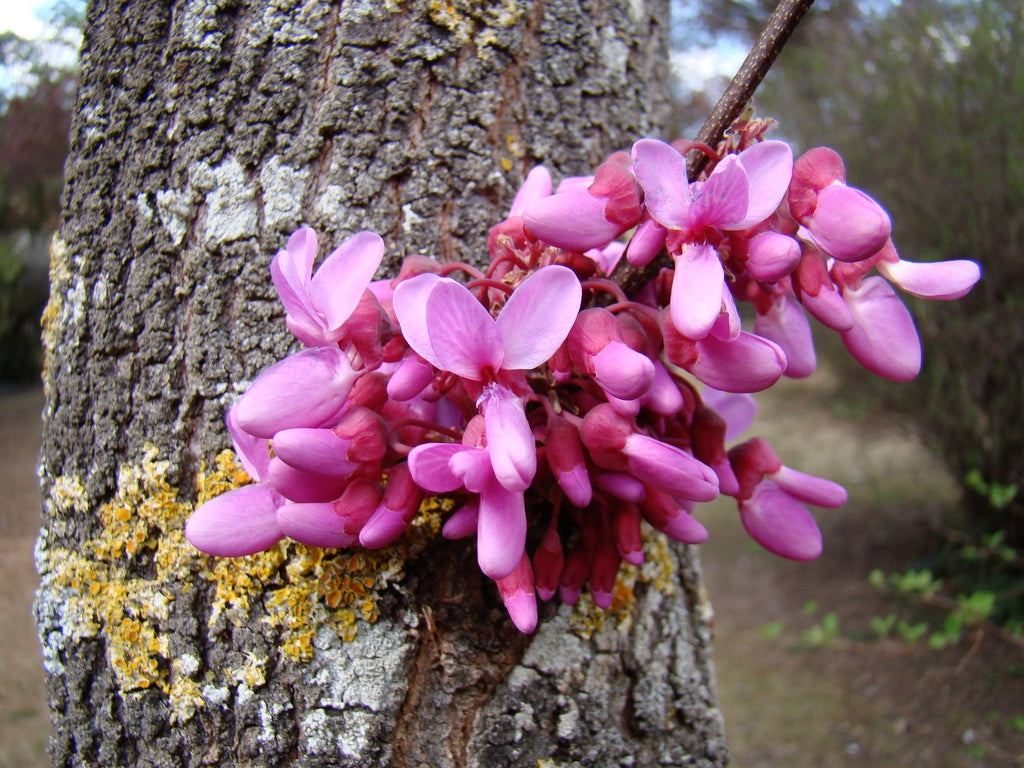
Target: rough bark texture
column 205, row 132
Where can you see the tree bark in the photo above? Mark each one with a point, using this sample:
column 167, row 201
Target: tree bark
column 205, row 132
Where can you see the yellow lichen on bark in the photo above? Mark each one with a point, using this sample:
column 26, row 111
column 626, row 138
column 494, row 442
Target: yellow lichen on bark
column 300, row 589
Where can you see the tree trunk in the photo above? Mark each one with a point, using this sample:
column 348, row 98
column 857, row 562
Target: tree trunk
column 205, row 132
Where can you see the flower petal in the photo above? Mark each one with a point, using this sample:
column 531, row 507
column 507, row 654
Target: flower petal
column 769, row 169
column 538, row 316
column 240, row 522
column 697, row 290
column 317, row 525
column 933, row 280
column 340, row 281
column 501, row 530
column 661, row 171
column 510, row 442
column 779, row 523
column 883, row 338
column 430, row 465
column 463, row 335
column 307, row 389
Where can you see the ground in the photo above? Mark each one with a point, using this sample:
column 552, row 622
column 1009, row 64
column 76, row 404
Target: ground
column 787, row 703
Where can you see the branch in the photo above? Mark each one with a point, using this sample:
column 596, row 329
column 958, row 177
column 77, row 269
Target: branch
column 773, row 38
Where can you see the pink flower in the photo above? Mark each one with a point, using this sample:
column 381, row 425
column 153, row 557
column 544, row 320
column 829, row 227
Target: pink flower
column 501, row 521
column 318, row 305
column 742, row 191
column 770, row 499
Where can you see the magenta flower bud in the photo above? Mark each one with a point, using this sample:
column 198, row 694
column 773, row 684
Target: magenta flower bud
column 578, row 218
column 317, row 451
column 942, row 280
column 597, row 349
column 604, row 568
column 604, row 434
column 813, row 171
column 664, row 396
column 779, row 523
column 808, row 488
column 847, row 224
column 548, row 562
column 240, row 522
column 565, row 457
column 785, row 323
column 749, row 363
column 410, row 378
column 883, row 338
column 574, row 220
column 307, row 389
column 622, row 372
column 818, row 293
column 317, row 525
column 646, row 242
column 772, row 256
column 621, row 486
column 669, row 468
column 303, row 487
column 626, row 531
column 574, row 574
column 519, row 595
column 401, row 502
column 667, row 515
column 462, row 524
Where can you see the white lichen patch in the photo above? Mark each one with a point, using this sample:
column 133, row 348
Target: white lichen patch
column 231, row 210
column 174, row 208
column 283, row 188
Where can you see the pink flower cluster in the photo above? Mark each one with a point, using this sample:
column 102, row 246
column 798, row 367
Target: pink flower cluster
column 538, row 393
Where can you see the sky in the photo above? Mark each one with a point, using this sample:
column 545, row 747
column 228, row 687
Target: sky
column 19, row 17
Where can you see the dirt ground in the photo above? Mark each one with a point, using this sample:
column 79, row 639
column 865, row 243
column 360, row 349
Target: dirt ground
column 853, row 702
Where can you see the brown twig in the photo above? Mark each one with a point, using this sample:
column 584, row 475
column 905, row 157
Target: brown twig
column 780, row 26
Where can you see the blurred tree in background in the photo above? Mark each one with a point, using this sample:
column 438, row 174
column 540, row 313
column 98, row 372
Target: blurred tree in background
column 37, row 81
column 924, row 99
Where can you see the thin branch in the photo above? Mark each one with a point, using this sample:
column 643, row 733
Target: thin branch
column 777, row 31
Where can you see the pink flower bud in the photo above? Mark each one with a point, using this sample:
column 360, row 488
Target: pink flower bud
column 548, row 562
column 772, row 256
column 565, row 457
column 316, row 525
column 307, row 389
column 518, row 593
column 626, row 530
column 779, row 523
column 240, row 522
column 401, row 502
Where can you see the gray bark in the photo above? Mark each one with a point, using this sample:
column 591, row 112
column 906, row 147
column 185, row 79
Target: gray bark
column 205, row 132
